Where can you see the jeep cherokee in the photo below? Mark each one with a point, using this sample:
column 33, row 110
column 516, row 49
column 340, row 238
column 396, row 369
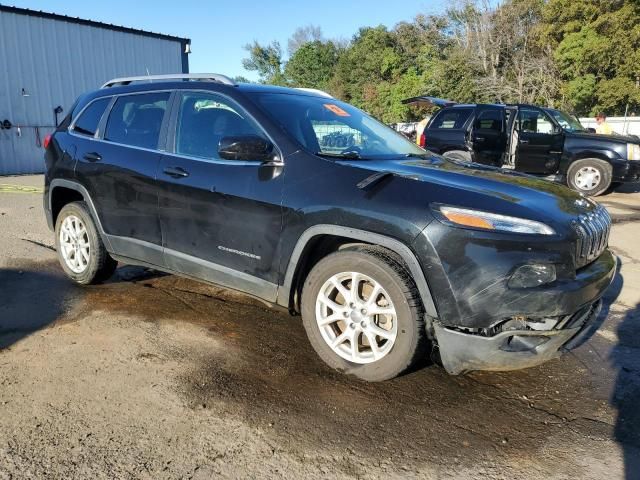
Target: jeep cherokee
column 388, row 252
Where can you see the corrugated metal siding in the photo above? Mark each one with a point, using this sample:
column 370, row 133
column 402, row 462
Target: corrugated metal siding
column 55, row 61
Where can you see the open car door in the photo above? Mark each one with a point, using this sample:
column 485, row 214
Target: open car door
column 487, row 138
column 539, row 142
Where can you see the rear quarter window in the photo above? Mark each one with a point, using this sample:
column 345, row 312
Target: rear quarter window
column 450, row 119
column 87, row 122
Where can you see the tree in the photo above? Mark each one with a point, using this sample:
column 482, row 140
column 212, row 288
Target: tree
column 581, row 55
column 312, row 65
column 266, row 60
column 370, row 59
column 241, row 79
column 302, row 35
column 596, row 47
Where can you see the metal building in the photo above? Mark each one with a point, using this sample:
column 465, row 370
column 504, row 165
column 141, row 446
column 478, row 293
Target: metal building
column 47, row 60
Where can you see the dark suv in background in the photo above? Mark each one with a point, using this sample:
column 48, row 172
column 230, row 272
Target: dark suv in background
column 387, row 251
column 535, row 140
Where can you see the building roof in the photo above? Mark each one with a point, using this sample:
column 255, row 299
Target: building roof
column 90, row 23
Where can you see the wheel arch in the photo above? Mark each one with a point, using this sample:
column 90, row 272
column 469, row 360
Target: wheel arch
column 320, row 240
column 591, row 154
column 62, row 192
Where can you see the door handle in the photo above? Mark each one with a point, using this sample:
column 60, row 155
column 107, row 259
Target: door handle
column 176, row 172
column 92, row 157
column 479, row 139
column 524, row 141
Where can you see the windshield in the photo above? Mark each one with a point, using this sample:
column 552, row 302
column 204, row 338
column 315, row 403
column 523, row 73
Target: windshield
column 566, row 121
column 329, row 127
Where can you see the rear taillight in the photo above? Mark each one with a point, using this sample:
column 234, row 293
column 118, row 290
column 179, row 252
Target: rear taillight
column 47, row 141
column 422, row 140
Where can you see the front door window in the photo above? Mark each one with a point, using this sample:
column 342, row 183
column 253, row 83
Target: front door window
column 205, row 119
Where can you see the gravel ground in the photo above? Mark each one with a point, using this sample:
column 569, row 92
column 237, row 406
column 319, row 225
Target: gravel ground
column 154, row 376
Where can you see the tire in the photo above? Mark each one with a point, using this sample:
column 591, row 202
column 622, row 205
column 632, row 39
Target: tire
column 590, row 176
column 458, row 155
column 405, row 339
column 95, row 265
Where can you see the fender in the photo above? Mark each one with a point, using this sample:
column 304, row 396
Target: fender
column 604, row 154
column 59, row 182
column 285, row 291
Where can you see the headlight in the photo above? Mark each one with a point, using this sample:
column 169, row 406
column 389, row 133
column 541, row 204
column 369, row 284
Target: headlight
column 633, row 151
column 492, row 221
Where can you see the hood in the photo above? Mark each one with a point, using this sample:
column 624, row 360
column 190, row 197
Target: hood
column 596, row 137
column 486, row 188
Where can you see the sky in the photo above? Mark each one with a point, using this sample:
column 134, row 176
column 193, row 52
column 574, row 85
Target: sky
column 219, row 29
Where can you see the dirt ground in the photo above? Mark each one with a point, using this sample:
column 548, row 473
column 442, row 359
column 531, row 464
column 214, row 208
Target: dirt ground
column 153, row 376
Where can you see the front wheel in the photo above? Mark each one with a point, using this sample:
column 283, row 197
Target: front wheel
column 362, row 313
column 590, row 176
column 81, row 252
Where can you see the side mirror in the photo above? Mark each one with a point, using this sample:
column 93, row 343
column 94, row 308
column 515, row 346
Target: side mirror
column 246, row 147
column 591, row 130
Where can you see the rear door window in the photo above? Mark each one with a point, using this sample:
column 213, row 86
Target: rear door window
column 136, row 119
column 454, row 118
column 489, row 120
column 87, row 123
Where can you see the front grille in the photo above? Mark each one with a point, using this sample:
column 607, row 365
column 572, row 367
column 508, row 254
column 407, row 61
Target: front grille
column 593, row 235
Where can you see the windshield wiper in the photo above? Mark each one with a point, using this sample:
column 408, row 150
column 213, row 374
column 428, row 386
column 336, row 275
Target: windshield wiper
column 345, row 155
column 416, row 155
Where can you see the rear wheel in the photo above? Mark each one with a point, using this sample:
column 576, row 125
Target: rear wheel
column 590, row 176
column 363, row 314
column 80, row 249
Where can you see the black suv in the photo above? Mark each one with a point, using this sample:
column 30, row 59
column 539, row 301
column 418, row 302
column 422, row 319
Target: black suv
column 535, row 140
column 388, row 252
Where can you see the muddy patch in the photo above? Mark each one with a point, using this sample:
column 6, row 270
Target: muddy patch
column 267, row 374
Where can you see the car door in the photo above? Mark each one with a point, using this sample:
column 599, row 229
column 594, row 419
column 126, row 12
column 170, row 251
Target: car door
column 221, row 219
column 118, row 169
column 539, row 142
column 488, row 138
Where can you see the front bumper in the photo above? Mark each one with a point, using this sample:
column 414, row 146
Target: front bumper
column 464, row 349
column 510, row 350
column 628, row 171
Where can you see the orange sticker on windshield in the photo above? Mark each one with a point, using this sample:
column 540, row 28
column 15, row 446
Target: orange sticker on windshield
column 336, row 109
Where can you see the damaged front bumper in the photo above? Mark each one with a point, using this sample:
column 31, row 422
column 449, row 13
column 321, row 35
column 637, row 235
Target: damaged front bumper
column 462, row 352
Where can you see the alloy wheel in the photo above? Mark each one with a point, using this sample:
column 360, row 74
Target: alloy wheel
column 356, row 317
column 74, row 244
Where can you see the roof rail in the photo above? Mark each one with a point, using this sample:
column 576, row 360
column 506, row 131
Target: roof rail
column 206, row 77
column 315, row 90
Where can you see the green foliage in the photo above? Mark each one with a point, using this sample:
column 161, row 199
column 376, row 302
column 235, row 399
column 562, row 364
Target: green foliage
column 596, row 47
column 582, row 55
column 312, row 65
column 266, row 60
column 581, row 93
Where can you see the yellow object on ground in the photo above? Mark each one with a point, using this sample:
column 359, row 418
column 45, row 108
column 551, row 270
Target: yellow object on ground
column 6, row 188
